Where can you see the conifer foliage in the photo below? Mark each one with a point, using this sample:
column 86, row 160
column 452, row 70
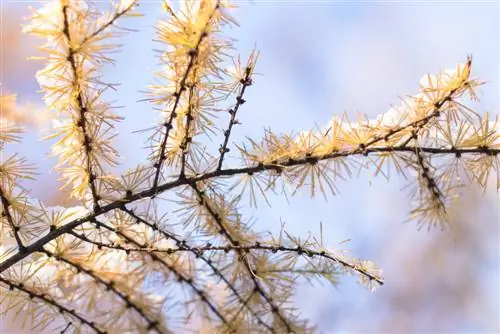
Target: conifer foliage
column 117, row 264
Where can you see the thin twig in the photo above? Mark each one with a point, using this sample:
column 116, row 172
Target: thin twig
column 199, row 250
column 245, row 82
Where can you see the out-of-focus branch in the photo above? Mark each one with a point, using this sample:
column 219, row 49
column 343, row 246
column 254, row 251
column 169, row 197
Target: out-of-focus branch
column 50, row 301
column 110, row 286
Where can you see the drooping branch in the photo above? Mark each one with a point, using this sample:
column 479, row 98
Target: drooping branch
column 109, row 286
column 198, row 253
column 180, row 276
column 50, row 301
column 198, row 250
column 430, row 181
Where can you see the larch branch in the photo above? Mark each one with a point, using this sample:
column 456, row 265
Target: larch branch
column 50, row 301
column 110, row 286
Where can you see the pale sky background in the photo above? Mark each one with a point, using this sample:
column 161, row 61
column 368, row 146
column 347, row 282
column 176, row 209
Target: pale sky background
column 319, row 59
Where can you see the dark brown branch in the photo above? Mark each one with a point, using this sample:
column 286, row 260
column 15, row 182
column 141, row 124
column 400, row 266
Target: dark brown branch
column 182, row 87
column 109, row 23
column 181, row 244
column 430, row 182
column 245, row 82
column 234, row 242
column 155, row 190
column 10, row 220
column 82, row 109
column 109, row 286
column 186, row 140
column 66, row 327
column 48, row 300
column 36, row 246
column 199, row 250
column 180, row 277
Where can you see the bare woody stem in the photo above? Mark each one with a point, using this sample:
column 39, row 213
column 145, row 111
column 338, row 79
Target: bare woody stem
column 245, row 82
column 68, row 325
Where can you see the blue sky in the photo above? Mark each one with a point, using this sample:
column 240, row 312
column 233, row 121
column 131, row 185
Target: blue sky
column 319, row 59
